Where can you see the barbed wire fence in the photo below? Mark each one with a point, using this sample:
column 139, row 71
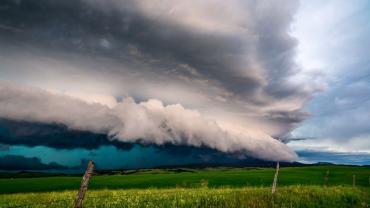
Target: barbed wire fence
column 143, row 196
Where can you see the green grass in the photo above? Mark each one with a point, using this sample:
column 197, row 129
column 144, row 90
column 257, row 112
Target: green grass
column 214, row 187
column 216, row 178
column 289, row 196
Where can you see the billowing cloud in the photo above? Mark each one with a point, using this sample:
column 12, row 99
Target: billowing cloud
column 147, row 122
column 231, row 62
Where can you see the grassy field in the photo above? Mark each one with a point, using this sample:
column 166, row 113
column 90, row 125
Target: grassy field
column 290, row 196
column 217, row 177
column 215, row 187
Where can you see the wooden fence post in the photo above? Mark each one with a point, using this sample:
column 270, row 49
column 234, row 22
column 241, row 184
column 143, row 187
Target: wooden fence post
column 274, row 183
column 84, row 184
column 326, row 179
column 354, row 180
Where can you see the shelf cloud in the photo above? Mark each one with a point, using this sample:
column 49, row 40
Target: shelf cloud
column 147, row 122
column 200, row 73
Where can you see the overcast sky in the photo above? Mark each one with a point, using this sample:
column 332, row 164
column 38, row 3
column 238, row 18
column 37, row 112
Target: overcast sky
column 334, row 43
column 255, row 78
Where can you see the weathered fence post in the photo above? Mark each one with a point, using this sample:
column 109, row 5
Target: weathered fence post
column 354, row 180
column 84, row 183
column 326, row 179
column 274, row 183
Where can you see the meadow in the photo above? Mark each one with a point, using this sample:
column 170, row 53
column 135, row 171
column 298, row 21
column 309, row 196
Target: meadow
column 212, row 187
column 290, row 196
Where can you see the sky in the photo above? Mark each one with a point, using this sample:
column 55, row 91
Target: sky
column 155, row 83
column 334, row 41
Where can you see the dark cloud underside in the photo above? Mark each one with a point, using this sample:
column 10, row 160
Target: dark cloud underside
column 16, row 162
column 231, row 62
column 56, row 136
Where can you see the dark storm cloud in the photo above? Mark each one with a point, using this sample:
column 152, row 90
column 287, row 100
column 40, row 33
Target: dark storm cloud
column 59, row 137
column 149, row 122
column 206, row 157
column 120, row 30
column 231, row 61
column 4, row 147
column 17, row 162
column 56, row 136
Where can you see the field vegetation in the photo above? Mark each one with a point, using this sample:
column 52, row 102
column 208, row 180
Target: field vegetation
column 290, row 196
column 191, row 178
column 214, row 187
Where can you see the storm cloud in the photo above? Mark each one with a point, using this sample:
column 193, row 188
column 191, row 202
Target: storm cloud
column 16, row 162
column 134, row 69
column 57, row 136
column 145, row 122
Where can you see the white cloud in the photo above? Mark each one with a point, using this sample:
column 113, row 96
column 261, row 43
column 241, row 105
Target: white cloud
column 358, row 144
column 146, row 122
